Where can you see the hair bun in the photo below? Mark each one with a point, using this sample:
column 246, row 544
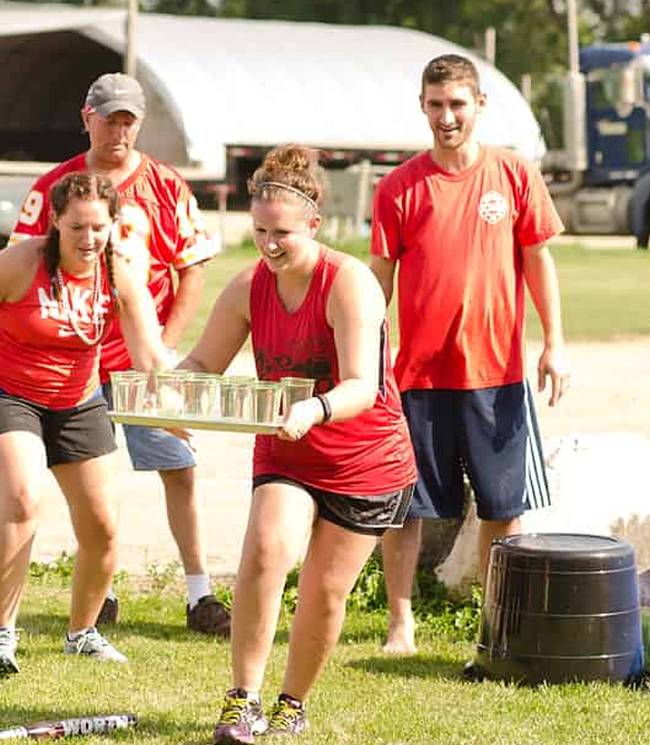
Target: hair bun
column 291, row 158
column 294, row 165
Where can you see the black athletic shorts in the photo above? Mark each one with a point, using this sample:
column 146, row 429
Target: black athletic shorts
column 69, row 435
column 365, row 515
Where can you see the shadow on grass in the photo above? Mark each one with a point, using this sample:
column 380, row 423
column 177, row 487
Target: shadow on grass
column 48, row 623
column 185, row 731
column 415, row 666
column 359, row 636
column 55, row 624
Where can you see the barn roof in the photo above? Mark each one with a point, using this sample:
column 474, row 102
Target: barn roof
column 219, row 82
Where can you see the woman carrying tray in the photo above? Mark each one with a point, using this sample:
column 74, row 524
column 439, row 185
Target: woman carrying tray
column 340, row 470
column 58, row 297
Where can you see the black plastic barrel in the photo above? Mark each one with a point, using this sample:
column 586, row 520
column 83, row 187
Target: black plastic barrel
column 558, row 608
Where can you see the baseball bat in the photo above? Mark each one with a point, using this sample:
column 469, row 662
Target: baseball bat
column 93, row 725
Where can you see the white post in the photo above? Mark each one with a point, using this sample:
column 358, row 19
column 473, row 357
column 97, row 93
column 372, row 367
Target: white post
column 490, row 44
column 572, row 33
column 363, row 186
column 527, row 86
column 130, row 53
column 575, row 98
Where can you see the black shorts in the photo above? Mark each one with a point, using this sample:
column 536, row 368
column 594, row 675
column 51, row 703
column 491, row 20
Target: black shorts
column 365, row 515
column 69, row 435
column 491, row 436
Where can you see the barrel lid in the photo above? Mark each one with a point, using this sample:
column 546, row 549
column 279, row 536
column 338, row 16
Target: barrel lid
column 567, row 548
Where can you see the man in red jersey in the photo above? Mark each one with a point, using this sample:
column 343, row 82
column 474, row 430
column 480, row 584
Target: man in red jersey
column 162, row 234
column 468, row 225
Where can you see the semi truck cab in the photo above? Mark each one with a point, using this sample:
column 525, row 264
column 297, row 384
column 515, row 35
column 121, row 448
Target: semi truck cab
column 610, row 191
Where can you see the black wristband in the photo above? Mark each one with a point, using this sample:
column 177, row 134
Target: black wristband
column 327, row 409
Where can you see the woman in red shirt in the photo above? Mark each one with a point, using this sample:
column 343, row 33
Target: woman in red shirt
column 58, row 296
column 340, row 470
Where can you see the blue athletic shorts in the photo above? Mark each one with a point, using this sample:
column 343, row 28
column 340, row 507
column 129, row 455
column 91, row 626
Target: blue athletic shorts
column 491, row 436
column 152, row 449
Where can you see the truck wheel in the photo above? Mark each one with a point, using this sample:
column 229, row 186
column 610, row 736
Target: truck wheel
column 640, row 211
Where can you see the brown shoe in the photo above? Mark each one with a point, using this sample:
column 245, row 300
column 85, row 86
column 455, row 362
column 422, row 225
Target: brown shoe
column 108, row 613
column 209, row 616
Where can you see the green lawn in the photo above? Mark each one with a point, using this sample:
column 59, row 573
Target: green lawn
column 175, row 679
column 605, row 292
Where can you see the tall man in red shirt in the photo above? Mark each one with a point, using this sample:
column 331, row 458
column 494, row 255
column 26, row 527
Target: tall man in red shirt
column 161, row 228
column 468, row 225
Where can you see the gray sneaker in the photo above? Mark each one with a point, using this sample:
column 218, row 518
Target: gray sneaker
column 8, row 644
column 91, row 643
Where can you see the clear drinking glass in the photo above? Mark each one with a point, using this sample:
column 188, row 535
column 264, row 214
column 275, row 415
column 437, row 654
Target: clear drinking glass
column 266, row 402
column 235, row 398
column 295, row 389
column 129, row 388
column 201, row 395
column 169, row 392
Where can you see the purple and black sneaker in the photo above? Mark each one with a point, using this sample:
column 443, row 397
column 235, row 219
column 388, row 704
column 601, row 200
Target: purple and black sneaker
column 240, row 720
column 287, row 717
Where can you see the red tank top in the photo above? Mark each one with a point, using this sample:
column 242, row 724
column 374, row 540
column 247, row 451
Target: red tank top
column 43, row 358
column 370, row 454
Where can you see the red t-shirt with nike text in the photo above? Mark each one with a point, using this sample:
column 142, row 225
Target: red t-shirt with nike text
column 44, row 359
column 459, row 240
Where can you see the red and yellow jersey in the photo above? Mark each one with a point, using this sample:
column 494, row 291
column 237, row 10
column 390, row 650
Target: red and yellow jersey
column 368, row 454
column 459, row 240
column 44, row 358
column 161, row 229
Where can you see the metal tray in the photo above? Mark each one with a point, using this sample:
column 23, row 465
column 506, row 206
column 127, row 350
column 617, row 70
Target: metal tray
column 188, row 422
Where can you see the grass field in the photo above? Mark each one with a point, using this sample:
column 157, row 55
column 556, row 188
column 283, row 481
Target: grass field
column 175, row 680
column 605, row 292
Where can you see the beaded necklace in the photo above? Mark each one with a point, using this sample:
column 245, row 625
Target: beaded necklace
column 98, row 320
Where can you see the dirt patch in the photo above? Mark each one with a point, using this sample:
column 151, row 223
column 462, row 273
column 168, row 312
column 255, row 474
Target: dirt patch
column 610, row 394
column 610, row 389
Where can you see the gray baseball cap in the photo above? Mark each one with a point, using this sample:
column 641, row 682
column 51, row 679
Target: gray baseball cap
column 116, row 92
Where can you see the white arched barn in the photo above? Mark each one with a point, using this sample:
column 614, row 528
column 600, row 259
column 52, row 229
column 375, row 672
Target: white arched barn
column 218, row 83
column 222, row 91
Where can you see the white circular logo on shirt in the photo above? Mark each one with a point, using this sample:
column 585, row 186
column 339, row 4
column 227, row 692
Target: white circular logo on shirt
column 493, row 207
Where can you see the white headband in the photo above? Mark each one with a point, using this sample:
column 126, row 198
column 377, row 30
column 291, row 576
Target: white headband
column 292, row 189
